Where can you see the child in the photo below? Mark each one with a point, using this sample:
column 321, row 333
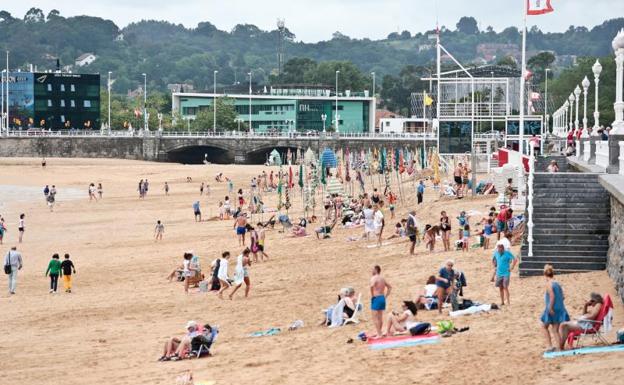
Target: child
column 159, row 231
column 67, row 268
column 221, row 210
column 54, row 269
column 392, row 200
column 487, row 232
column 463, row 221
column 166, row 188
column 100, row 190
column 430, row 236
column 399, row 231
column 201, row 189
column 466, row 238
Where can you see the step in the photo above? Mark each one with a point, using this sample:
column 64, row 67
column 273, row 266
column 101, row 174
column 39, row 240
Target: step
column 568, row 258
column 563, row 204
column 572, row 247
column 584, row 242
column 571, row 221
column 572, row 198
column 539, row 272
column 587, row 191
column 564, row 253
column 565, row 265
column 558, row 231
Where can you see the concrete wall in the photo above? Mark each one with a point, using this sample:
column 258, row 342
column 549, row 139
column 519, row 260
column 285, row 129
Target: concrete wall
column 615, row 260
column 123, row 148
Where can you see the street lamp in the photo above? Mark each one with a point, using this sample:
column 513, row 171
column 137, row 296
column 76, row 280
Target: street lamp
column 214, row 101
column 571, row 111
column 577, row 99
column 250, row 128
column 596, row 69
column 160, row 118
column 337, row 129
column 145, row 102
column 109, row 99
column 585, row 85
column 323, row 118
column 8, row 83
column 373, row 74
column 2, row 101
column 564, row 122
column 546, row 99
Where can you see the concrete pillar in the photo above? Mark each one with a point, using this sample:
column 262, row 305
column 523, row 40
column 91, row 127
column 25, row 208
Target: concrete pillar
column 614, row 154
column 592, row 149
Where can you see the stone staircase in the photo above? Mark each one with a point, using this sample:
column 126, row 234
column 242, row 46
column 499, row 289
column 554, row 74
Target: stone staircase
column 543, row 161
column 572, row 221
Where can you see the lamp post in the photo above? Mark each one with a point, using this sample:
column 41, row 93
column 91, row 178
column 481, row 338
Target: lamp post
column 546, row 117
column 596, row 69
column 571, row 111
column 373, row 75
column 109, row 100
column 8, row 83
column 214, row 101
column 585, row 85
column 618, row 106
column 160, row 118
column 323, row 118
column 577, row 99
column 564, row 122
column 250, row 128
column 2, row 101
column 145, row 127
column 336, row 126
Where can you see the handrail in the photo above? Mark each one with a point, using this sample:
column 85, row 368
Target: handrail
column 530, row 223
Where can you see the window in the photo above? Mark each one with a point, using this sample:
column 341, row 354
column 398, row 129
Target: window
column 72, row 103
column 73, row 88
column 62, row 103
column 49, row 87
column 87, row 104
column 387, row 124
column 63, row 118
column 62, row 87
column 49, row 102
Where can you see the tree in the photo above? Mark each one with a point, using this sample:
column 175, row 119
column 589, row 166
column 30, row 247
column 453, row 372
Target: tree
column 34, row 15
column 507, row 61
column 350, row 77
column 295, row 69
column 226, row 117
column 53, row 14
column 6, row 17
column 538, row 64
column 405, row 35
column 468, row 26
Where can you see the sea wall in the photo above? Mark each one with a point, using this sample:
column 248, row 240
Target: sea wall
column 615, row 256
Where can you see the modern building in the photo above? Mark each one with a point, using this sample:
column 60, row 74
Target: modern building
column 289, row 108
column 54, row 100
column 85, row 59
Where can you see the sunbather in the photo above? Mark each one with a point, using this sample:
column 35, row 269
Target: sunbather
column 591, row 309
column 325, row 230
column 400, row 323
column 176, row 347
column 427, row 298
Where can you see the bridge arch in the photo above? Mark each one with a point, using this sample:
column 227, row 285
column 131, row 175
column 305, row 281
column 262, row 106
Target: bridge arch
column 261, row 155
column 197, row 153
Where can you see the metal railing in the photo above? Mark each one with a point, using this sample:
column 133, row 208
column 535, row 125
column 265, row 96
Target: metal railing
column 218, row 134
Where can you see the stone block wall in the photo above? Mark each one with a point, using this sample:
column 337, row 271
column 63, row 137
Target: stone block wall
column 615, row 260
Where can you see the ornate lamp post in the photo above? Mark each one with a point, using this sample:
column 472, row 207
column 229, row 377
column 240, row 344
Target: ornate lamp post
column 323, row 118
column 618, row 106
column 577, row 99
column 566, row 112
column 585, row 84
column 571, row 112
column 596, row 69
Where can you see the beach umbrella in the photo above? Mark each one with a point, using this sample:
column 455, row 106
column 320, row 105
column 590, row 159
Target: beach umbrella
column 323, row 179
column 334, row 186
column 435, row 164
column 290, row 177
column 383, row 161
column 301, row 175
column 401, row 163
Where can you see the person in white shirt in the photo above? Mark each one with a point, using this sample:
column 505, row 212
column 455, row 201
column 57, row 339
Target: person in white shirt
column 379, row 223
column 369, row 222
column 223, row 273
column 505, row 241
column 21, row 228
column 400, row 323
column 14, row 260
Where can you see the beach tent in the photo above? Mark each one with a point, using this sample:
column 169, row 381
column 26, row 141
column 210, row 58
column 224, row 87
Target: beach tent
column 328, row 159
column 275, row 159
column 309, row 157
column 334, row 186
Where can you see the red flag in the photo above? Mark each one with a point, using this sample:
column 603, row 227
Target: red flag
column 290, row 177
column 538, row 7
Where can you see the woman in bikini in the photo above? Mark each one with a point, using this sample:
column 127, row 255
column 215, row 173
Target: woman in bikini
column 445, row 228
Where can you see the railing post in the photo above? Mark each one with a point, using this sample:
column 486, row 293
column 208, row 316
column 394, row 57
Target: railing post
column 530, row 199
column 614, row 154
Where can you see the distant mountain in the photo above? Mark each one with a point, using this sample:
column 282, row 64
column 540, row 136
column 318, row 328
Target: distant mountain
column 171, row 53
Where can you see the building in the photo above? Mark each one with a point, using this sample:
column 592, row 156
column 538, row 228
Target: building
column 404, row 125
column 85, row 59
column 54, row 100
column 286, row 108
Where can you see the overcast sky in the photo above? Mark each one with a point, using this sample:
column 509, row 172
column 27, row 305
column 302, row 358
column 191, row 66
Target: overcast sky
column 316, row 20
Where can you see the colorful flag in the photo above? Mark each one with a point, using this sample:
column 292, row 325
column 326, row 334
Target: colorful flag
column 301, row 175
column 428, row 100
column 538, row 7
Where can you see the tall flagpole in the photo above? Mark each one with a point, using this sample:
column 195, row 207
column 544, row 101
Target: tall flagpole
column 522, row 79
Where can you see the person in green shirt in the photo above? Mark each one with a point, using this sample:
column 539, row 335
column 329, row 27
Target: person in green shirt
column 54, row 270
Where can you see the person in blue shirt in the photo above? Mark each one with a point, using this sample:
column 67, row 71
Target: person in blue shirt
column 420, row 190
column 444, row 282
column 462, row 219
column 504, row 263
column 197, row 211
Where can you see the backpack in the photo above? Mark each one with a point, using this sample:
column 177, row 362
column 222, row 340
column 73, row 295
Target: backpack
column 421, row 328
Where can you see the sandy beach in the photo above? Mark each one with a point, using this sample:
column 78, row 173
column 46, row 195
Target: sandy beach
column 111, row 329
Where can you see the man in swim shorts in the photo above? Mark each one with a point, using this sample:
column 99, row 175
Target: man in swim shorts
column 380, row 289
column 240, row 224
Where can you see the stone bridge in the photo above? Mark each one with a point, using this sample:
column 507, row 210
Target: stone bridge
column 241, row 149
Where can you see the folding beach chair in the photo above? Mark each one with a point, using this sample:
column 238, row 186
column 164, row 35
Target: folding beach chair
column 601, row 326
column 204, row 348
column 356, row 313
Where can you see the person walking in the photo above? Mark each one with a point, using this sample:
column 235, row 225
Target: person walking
column 380, row 290
column 159, row 230
column 67, row 269
column 197, row 211
column 100, row 190
column 412, row 230
column 12, row 264
column 166, row 188
column 503, row 262
column 241, row 275
column 555, row 312
column 420, row 191
column 22, row 227
column 54, row 270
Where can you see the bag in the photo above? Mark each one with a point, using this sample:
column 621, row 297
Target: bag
column 199, row 341
column 444, row 326
column 421, row 328
column 8, row 269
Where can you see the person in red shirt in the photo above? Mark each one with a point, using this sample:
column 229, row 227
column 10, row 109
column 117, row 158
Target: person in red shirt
column 501, row 221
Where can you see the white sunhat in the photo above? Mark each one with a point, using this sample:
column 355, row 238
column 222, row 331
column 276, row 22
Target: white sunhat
column 191, row 324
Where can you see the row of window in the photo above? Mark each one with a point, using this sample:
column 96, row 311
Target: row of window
column 70, row 103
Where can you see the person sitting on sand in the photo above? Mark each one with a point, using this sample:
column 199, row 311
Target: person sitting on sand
column 399, row 230
column 427, row 298
column 401, row 323
column 347, row 296
column 299, row 230
column 325, row 230
column 176, row 347
column 591, row 309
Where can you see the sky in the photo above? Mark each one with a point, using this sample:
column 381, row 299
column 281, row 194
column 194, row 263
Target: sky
column 316, row 20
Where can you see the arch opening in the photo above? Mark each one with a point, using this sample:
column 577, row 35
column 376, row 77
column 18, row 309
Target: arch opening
column 262, row 155
column 197, row 155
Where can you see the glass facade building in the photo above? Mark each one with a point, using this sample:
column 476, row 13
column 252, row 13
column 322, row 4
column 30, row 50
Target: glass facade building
column 283, row 112
column 54, row 101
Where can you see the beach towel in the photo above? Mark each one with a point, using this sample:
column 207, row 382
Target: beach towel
column 239, row 274
column 336, row 317
column 588, row 350
column 264, row 333
column 471, row 310
column 403, row 341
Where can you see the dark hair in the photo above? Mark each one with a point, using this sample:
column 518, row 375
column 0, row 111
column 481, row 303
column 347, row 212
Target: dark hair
column 66, row 256
column 596, row 298
column 225, row 254
column 207, row 327
column 259, row 224
column 431, row 280
column 22, row 216
column 188, row 255
column 377, row 268
column 398, row 225
column 411, row 306
column 55, row 256
column 246, row 251
column 492, row 208
column 467, row 227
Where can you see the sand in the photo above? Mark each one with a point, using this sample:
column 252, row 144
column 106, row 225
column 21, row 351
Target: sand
column 111, row 329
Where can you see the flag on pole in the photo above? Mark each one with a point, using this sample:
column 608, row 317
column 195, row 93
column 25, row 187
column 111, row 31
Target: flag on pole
column 428, row 100
column 538, row 7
